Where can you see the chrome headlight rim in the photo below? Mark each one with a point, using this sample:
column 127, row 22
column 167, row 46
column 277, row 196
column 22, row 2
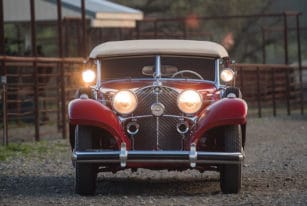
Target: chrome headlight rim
column 134, row 102
column 227, row 75
column 197, row 94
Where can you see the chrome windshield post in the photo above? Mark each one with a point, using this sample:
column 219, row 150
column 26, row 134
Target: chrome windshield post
column 158, row 67
column 217, row 73
column 98, row 72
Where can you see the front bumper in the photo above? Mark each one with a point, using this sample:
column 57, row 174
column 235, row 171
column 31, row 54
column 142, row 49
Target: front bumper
column 124, row 156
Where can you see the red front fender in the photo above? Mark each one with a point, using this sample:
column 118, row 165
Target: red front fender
column 224, row 112
column 92, row 113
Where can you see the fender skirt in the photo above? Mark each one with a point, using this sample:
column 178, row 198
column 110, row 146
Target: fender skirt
column 227, row 111
column 92, row 113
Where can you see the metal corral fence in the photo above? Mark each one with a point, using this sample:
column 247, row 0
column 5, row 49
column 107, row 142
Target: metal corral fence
column 272, row 89
column 36, row 91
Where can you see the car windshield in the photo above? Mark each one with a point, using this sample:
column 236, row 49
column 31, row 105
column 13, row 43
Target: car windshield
column 185, row 67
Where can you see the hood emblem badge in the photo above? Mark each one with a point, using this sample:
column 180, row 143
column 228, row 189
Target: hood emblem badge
column 157, row 109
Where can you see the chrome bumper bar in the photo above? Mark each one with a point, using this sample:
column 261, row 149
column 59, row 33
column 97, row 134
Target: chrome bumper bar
column 124, row 156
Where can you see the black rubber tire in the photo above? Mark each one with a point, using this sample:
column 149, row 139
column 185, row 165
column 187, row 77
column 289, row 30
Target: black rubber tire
column 85, row 173
column 230, row 175
column 72, row 132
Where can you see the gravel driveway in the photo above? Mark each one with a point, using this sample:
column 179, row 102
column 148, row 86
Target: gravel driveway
column 274, row 173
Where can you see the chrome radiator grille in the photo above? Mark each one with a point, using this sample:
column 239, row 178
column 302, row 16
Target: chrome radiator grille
column 147, row 96
column 157, row 133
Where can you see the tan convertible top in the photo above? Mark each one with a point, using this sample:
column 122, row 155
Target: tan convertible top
column 159, row 46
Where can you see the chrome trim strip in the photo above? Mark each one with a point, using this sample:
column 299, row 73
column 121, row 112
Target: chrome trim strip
column 162, row 79
column 192, row 119
column 158, row 67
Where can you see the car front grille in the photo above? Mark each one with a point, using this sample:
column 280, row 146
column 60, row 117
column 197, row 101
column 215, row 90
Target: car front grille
column 157, row 133
column 147, row 96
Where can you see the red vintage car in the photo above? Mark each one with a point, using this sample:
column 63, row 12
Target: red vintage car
column 158, row 104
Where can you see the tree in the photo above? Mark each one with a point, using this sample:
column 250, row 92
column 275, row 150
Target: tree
column 243, row 34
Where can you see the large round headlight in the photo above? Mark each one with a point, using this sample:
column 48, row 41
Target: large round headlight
column 189, row 101
column 227, row 75
column 88, row 76
column 124, row 102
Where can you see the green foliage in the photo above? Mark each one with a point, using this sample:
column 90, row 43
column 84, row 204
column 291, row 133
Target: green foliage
column 11, row 42
column 179, row 8
column 246, row 32
column 17, row 34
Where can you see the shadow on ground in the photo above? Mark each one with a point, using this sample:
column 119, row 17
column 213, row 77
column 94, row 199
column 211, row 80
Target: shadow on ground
column 63, row 185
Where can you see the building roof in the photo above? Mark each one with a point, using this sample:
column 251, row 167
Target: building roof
column 98, row 6
column 102, row 13
column 159, row 46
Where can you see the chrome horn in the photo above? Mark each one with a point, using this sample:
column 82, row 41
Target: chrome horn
column 133, row 128
column 182, row 127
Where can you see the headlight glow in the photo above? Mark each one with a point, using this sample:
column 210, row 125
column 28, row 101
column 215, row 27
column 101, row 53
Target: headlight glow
column 124, row 102
column 227, row 75
column 189, row 101
column 88, row 76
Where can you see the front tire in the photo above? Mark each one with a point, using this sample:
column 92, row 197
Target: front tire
column 85, row 173
column 230, row 175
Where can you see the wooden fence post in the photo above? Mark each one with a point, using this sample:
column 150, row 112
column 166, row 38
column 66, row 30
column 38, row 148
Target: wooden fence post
column 4, row 108
column 62, row 73
column 300, row 61
column 35, row 73
column 259, row 93
column 287, row 73
column 273, row 91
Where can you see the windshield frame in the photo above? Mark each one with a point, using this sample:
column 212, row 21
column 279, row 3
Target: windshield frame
column 157, row 67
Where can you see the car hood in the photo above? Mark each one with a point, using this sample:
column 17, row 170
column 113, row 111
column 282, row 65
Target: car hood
column 181, row 84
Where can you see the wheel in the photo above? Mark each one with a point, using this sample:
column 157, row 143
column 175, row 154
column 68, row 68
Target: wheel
column 72, row 131
column 230, row 175
column 85, row 173
column 189, row 72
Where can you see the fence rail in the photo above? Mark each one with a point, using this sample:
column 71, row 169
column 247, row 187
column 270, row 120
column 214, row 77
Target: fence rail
column 271, row 86
column 33, row 92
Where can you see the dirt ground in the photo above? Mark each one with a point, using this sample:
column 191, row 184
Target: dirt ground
column 274, row 173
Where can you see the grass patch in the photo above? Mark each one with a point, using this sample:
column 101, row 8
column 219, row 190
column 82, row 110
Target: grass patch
column 23, row 149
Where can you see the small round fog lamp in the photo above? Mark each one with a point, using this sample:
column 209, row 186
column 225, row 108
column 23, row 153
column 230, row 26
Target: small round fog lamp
column 227, row 75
